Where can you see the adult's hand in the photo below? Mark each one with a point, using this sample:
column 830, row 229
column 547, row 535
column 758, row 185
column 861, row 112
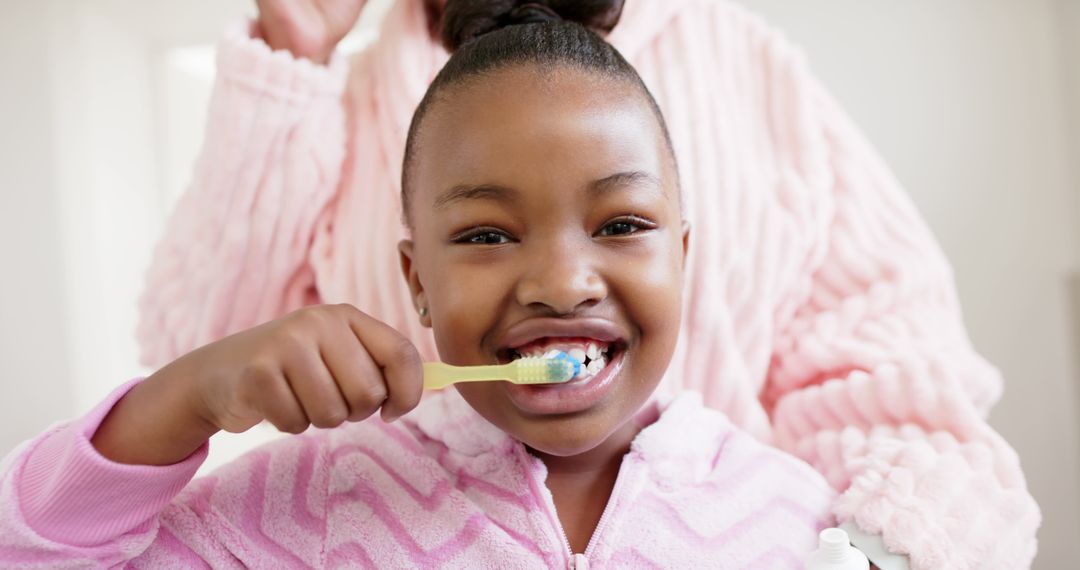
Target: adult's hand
column 308, row 28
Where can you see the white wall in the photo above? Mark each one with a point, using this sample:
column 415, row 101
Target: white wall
column 34, row 368
column 969, row 100
column 1068, row 15
column 966, row 99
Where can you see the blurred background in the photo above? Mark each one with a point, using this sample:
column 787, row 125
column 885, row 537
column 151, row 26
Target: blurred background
column 974, row 103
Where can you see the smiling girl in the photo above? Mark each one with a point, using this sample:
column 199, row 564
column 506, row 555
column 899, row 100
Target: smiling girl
column 543, row 202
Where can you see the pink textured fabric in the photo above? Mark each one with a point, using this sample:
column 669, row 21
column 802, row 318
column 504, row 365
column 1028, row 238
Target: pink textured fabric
column 820, row 313
column 441, row 488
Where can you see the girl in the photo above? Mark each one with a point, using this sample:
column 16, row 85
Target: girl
column 543, row 201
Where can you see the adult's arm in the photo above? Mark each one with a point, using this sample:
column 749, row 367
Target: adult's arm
column 875, row 382
column 235, row 250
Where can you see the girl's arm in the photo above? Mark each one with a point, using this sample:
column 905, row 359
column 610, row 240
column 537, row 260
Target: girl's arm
column 65, row 505
column 875, row 382
column 235, row 251
column 100, row 491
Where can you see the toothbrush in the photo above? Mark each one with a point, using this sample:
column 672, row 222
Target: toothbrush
column 555, row 367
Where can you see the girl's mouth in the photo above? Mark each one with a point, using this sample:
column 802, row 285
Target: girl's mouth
column 594, row 355
column 602, row 361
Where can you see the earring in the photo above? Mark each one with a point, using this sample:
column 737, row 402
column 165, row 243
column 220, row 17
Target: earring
column 423, row 311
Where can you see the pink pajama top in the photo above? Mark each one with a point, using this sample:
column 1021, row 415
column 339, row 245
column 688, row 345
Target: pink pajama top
column 441, row 488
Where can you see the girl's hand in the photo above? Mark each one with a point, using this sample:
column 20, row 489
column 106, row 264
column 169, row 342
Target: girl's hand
column 320, row 365
column 308, row 28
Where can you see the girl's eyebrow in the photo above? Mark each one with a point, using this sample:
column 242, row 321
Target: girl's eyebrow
column 478, row 192
column 632, row 178
column 497, row 193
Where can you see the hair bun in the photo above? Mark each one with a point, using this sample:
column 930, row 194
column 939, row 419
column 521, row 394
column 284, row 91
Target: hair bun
column 531, row 13
column 466, row 20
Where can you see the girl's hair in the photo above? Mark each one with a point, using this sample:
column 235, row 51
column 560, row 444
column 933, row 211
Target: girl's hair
column 485, row 36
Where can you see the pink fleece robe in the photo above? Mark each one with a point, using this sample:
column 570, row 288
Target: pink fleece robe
column 442, row 488
column 820, row 313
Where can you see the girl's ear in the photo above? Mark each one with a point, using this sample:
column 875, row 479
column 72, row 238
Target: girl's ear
column 685, row 242
column 412, row 279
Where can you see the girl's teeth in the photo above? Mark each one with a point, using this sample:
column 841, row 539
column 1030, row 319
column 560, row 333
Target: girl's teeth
column 591, row 351
column 596, row 366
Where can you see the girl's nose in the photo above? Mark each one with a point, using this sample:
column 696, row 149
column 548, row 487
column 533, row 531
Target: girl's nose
column 561, row 279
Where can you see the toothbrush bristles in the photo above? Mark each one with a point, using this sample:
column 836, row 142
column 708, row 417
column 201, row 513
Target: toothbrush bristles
column 554, row 367
column 571, row 367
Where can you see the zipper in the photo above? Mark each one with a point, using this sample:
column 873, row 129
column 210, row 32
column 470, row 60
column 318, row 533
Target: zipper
column 576, row 561
column 605, row 516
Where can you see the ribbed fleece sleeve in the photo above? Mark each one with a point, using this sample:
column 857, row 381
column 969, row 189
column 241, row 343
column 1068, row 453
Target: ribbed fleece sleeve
column 235, row 251
column 62, row 504
column 876, row 384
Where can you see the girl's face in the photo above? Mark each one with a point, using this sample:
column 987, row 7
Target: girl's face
column 545, row 214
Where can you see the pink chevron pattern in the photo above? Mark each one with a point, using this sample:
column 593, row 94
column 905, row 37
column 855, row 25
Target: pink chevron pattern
column 441, row 490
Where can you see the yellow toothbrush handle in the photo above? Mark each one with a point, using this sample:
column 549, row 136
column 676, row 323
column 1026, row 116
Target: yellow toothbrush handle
column 440, row 375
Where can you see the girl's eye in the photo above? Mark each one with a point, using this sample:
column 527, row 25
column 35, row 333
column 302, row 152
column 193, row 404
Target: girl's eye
column 482, row 237
column 626, row 226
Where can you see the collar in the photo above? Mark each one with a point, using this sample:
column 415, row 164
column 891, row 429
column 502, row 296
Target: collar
column 680, row 439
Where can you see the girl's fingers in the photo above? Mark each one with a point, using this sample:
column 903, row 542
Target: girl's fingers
column 358, row 378
column 276, row 402
column 314, row 387
column 397, row 358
